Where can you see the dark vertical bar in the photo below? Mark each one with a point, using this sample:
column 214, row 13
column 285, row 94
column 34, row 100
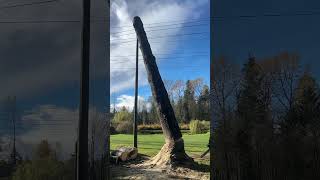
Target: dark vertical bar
column 135, row 140
column 14, row 129
column 212, row 168
column 92, row 164
column 106, row 156
column 82, row 162
column 76, row 160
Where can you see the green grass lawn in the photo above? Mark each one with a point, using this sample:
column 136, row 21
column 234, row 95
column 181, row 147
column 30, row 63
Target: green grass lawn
column 150, row 144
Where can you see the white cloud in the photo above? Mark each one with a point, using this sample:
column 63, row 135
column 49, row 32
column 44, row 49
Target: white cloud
column 150, row 11
column 128, row 102
column 52, row 123
column 58, row 124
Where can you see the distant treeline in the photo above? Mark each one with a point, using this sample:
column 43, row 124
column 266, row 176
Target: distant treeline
column 190, row 100
column 266, row 120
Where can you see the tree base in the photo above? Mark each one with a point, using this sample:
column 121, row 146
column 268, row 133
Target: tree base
column 172, row 154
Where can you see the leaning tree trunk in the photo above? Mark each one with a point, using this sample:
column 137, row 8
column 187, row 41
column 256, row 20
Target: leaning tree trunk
column 172, row 152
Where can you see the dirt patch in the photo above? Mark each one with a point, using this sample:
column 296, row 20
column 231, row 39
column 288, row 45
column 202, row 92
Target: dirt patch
column 138, row 170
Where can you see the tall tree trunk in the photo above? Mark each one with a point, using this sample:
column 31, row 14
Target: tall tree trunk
column 173, row 150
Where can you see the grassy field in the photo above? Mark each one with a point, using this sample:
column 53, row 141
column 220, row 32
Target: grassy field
column 150, row 144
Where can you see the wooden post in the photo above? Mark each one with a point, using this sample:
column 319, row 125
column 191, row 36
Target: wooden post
column 135, row 140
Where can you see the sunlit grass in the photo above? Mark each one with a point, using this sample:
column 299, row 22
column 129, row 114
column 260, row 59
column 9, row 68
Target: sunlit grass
column 150, row 144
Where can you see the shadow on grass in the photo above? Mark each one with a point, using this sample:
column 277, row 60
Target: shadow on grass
column 195, row 166
column 139, row 159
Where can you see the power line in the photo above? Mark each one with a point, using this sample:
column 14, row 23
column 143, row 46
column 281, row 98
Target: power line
column 176, row 60
column 27, row 4
column 146, row 25
column 157, row 37
column 286, row 14
column 156, row 54
column 218, row 17
column 151, row 27
column 123, row 60
column 161, row 65
column 157, row 42
column 39, row 21
column 43, row 21
column 155, row 29
column 306, row 13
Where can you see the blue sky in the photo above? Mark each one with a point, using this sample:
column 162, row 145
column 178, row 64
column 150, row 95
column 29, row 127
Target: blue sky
column 267, row 36
column 183, row 55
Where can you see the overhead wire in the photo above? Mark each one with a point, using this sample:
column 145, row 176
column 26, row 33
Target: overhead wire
column 159, row 37
column 154, row 28
column 27, row 4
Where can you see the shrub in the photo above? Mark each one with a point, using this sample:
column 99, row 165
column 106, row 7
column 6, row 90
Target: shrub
column 125, row 127
column 206, row 125
column 198, row 127
column 46, row 168
column 5, row 169
column 184, row 126
column 122, row 116
column 149, row 127
column 158, row 126
column 44, row 165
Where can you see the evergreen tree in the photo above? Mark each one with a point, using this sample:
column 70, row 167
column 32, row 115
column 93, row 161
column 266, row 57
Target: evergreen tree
column 153, row 118
column 301, row 130
column 252, row 113
column 188, row 100
column 144, row 115
column 203, row 104
column 178, row 109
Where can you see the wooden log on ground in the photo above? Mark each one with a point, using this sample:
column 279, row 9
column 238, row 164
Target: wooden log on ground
column 124, row 154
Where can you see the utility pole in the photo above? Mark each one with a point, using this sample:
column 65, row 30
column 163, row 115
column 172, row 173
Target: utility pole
column 82, row 155
column 114, row 106
column 76, row 160
column 13, row 119
column 14, row 129
column 135, row 140
column 92, row 167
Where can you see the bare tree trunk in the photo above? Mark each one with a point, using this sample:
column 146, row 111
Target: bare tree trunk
column 173, row 150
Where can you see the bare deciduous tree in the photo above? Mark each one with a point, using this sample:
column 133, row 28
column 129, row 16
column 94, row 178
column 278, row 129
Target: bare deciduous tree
column 225, row 78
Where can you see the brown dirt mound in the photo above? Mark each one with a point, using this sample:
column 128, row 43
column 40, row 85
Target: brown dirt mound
column 142, row 172
column 172, row 154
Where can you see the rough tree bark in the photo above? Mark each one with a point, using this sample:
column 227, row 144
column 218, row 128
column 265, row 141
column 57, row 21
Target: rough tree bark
column 172, row 152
